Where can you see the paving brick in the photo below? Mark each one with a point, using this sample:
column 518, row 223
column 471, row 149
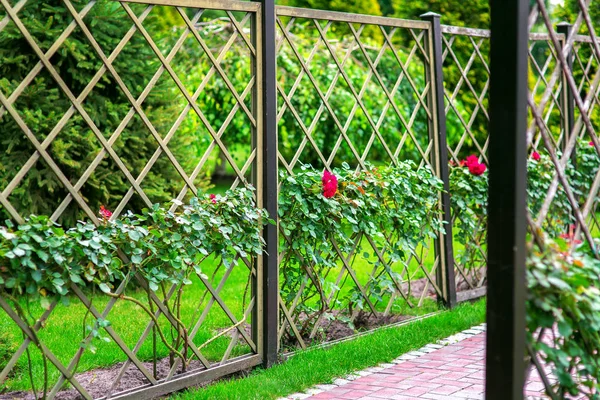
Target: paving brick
column 455, row 371
column 324, row 395
column 415, row 391
column 434, row 396
column 358, row 386
column 467, row 395
column 396, row 385
column 446, row 389
column 356, row 394
column 386, row 393
column 443, row 381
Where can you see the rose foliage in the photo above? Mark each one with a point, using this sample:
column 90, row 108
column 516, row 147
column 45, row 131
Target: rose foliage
column 468, row 199
column 563, row 307
column 396, row 207
column 468, row 193
column 41, row 259
column 563, row 304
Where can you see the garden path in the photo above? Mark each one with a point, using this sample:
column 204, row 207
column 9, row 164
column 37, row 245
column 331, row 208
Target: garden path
column 452, row 369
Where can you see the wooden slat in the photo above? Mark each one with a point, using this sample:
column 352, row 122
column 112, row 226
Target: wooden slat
column 228, row 5
column 348, row 17
column 471, row 294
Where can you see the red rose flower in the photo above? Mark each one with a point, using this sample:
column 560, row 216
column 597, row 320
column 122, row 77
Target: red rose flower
column 570, row 236
column 591, row 143
column 477, row 169
column 472, row 160
column 535, row 155
column 104, row 213
column 213, row 198
column 330, row 184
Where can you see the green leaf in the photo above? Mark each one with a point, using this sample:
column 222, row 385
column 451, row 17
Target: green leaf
column 134, row 235
column 564, row 329
column 45, row 303
column 36, row 275
column 104, row 287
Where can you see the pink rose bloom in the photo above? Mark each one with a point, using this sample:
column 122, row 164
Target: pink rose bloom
column 212, row 198
column 104, row 213
column 570, row 236
column 472, row 159
column 536, row 156
column 330, row 184
column 477, row 169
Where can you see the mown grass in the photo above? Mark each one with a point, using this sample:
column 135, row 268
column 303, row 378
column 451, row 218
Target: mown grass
column 316, row 366
column 66, row 327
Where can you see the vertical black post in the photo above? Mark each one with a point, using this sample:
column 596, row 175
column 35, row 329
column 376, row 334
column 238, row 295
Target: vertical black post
column 444, row 249
column 270, row 283
column 505, row 350
column 568, row 103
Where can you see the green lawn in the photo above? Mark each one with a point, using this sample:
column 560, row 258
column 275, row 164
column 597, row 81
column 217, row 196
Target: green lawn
column 312, row 367
column 64, row 330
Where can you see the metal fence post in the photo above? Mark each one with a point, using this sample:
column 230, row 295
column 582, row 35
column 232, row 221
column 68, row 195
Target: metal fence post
column 270, row 275
column 568, row 104
column 439, row 155
column 567, row 100
column 505, row 349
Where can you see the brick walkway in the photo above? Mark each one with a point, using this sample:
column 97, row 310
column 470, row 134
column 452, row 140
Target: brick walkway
column 450, row 372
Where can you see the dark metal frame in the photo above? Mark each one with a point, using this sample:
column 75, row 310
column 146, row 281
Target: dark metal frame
column 505, row 350
column 270, row 278
column 568, row 102
column 438, row 126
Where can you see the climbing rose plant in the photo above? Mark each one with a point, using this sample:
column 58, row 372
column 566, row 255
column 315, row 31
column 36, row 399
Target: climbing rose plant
column 468, row 192
column 563, row 306
column 42, row 260
column 468, row 199
column 322, row 214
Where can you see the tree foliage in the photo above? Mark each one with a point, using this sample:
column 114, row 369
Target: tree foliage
column 350, row 6
column 42, row 105
column 472, row 14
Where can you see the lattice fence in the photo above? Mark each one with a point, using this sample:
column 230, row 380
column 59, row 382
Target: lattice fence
column 466, row 80
column 151, row 117
column 466, row 83
column 177, row 113
column 564, row 132
column 354, row 92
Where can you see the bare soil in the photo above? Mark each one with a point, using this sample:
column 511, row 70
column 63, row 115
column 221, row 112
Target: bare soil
column 98, row 382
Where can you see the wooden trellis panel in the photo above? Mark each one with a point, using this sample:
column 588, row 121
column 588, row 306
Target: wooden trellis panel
column 240, row 37
column 319, row 55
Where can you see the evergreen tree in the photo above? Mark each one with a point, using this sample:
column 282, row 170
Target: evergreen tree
column 472, row 14
column 42, row 105
column 370, row 7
